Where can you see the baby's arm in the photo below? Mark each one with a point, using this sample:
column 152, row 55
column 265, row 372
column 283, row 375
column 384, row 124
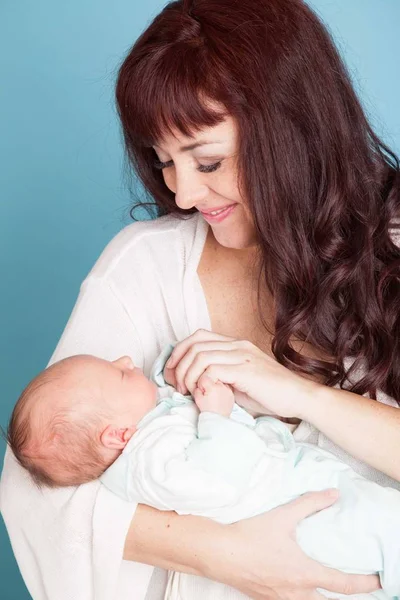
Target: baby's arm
column 172, row 465
column 226, row 448
column 214, row 397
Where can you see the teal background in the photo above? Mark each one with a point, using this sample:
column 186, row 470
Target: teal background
column 63, row 194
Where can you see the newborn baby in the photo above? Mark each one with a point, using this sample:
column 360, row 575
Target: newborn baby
column 85, row 418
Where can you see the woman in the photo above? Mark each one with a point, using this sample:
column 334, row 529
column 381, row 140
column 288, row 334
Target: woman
column 244, row 106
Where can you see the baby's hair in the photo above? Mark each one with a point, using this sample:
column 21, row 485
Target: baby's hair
column 66, row 450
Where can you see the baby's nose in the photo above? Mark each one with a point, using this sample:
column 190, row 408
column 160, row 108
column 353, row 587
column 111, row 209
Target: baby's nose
column 125, row 361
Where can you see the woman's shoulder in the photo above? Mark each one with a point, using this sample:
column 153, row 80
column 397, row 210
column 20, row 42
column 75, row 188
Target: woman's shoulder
column 142, row 241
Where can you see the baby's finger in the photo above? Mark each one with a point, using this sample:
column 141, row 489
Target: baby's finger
column 207, row 384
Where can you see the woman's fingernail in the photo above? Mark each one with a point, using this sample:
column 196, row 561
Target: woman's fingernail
column 169, row 362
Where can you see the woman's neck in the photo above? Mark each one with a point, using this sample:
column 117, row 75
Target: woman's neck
column 244, row 260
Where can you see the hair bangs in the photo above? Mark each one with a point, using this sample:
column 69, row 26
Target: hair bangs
column 323, row 188
column 164, row 94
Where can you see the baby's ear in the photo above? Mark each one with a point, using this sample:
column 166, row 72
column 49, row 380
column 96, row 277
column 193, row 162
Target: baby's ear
column 116, row 438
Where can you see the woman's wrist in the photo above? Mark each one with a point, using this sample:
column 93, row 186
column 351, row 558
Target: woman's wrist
column 187, row 543
column 225, row 558
column 350, row 421
column 213, row 561
column 309, row 400
column 313, row 402
column 318, row 404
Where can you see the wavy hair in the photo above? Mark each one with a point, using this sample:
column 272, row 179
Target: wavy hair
column 324, row 190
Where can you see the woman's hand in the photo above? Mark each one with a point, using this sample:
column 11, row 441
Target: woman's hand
column 260, row 383
column 263, row 560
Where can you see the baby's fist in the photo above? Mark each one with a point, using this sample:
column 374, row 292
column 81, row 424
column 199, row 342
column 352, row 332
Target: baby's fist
column 217, row 397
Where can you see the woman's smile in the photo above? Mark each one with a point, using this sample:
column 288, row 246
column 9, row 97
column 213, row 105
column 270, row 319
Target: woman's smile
column 218, row 215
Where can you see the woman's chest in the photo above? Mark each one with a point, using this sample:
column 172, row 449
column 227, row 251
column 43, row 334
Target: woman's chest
column 235, row 313
column 235, row 303
column 233, row 308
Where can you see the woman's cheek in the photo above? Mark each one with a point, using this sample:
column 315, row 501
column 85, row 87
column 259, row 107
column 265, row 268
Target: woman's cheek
column 169, row 180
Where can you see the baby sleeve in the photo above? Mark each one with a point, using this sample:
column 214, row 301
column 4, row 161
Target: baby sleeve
column 173, row 464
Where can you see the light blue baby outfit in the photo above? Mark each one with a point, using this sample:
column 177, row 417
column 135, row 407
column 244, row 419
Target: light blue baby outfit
column 230, row 469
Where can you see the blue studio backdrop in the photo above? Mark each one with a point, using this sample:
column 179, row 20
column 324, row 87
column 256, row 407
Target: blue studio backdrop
column 63, row 194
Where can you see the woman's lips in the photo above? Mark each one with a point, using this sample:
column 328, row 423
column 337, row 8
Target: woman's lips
column 220, row 216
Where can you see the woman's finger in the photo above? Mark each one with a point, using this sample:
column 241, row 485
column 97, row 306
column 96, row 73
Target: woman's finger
column 326, row 577
column 198, row 361
column 201, row 335
column 308, row 504
column 345, row 583
column 227, row 373
column 198, row 357
column 336, row 581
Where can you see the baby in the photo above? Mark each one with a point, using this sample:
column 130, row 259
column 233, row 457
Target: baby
column 85, row 418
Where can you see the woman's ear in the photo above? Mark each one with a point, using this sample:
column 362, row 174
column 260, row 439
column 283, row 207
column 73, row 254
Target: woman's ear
column 116, row 438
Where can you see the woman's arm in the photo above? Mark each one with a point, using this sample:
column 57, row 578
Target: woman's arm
column 257, row 556
column 102, row 325
column 163, row 539
column 366, row 429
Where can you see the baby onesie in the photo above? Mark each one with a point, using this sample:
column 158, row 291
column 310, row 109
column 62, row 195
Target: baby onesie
column 229, row 469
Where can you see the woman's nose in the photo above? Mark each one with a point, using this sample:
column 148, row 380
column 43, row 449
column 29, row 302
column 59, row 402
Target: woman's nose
column 189, row 191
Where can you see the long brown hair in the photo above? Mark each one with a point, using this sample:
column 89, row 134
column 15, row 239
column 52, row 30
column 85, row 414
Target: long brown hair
column 323, row 189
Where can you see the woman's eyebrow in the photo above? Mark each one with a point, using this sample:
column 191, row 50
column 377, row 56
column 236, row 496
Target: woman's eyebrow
column 195, row 145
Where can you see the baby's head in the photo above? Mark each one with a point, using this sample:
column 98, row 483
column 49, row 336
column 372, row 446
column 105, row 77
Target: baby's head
column 74, row 419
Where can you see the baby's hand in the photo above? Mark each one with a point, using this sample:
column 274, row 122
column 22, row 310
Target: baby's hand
column 217, row 397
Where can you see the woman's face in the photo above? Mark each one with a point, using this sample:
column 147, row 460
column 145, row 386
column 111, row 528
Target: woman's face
column 201, row 171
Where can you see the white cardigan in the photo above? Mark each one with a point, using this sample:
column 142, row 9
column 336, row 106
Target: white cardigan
column 142, row 293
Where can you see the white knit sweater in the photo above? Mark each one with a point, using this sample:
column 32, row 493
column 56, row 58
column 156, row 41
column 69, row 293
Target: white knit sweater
column 142, row 293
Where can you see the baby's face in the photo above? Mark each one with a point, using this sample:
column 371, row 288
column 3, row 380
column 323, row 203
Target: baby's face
column 126, row 390
column 78, row 399
column 116, row 392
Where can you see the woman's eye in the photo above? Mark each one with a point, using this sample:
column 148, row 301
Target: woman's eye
column 209, row 168
column 158, row 164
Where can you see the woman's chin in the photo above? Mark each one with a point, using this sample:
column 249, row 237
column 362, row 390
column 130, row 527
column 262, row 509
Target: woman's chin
column 236, row 240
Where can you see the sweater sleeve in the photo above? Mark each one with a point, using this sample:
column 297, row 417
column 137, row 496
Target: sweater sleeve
column 99, row 325
column 69, row 542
